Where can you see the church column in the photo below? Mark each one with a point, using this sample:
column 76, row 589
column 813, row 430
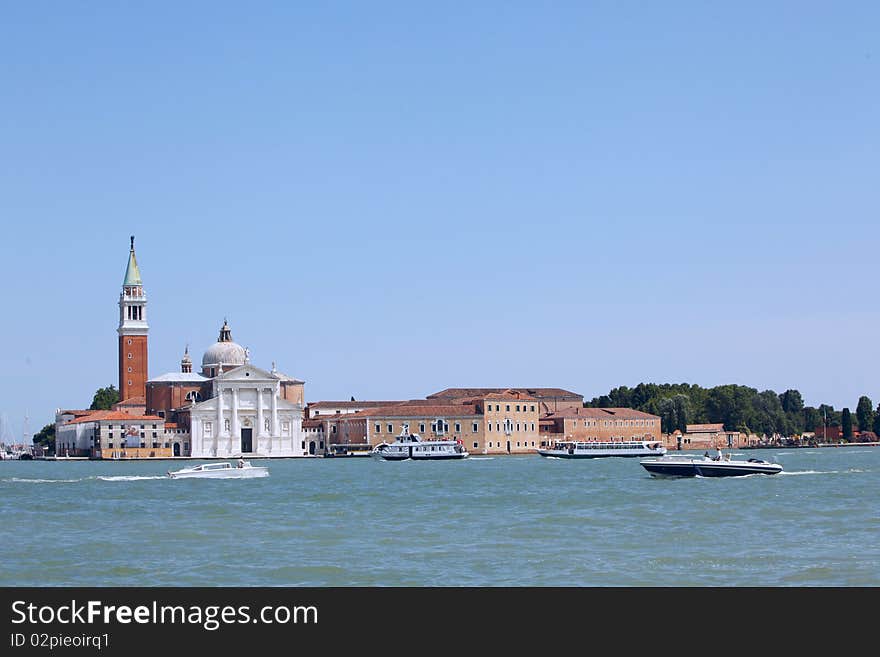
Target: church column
column 235, row 439
column 260, row 430
column 274, row 427
column 216, row 438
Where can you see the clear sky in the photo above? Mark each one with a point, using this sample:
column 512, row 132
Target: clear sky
column 392, row 198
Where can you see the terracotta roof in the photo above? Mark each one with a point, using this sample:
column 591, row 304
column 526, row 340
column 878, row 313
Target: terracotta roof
column 412, row 410
column 116, row 416
column 704, row 428
column 604, row 414
column 313, row 424
column 131, row 401
column 351, row 404
column 537, row 393
column 76, row 412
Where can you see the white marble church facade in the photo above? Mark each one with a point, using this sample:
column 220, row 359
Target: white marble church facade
column 246, row 416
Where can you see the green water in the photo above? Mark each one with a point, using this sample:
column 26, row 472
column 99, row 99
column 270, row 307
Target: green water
column 503, row 521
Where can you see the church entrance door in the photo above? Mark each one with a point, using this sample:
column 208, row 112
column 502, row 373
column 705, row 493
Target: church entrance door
column 176, row 449
column 247, row 440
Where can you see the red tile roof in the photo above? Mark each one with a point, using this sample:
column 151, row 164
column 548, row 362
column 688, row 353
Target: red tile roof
column 122, row 416
column 412, row 410
column 537, row 393
column 603, row 414
column 705, row 428
column 132, row 401
column 351, row 404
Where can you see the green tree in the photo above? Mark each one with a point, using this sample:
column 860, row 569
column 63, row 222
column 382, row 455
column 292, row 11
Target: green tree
column 865, row 413
column 812, row 419
column 793, row 407
column 104, row 398
column 46, row 437
column 846, row 424
column 877, row 420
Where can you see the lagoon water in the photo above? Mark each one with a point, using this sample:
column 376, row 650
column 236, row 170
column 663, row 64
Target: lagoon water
column 502, row 521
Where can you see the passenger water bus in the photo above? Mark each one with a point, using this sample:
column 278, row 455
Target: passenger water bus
column 411, row 446
column 591, row 450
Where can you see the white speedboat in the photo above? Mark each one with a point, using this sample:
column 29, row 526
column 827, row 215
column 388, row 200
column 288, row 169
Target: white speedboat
column 719, row 466
column 225, row 470
column 411, row 446
column 592, row 450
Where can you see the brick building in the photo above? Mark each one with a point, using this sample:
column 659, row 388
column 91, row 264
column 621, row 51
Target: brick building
column 599, row 425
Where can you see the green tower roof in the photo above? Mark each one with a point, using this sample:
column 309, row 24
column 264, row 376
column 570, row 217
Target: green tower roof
column 132, row 273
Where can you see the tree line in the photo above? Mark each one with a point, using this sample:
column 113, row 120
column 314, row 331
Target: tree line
column 739, row 408
column 102, row 400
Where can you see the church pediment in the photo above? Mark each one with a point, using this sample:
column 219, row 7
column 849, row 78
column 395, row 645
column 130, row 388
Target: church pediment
column 246, row 373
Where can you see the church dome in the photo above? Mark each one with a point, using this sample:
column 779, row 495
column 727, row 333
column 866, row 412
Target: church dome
column 224, row 352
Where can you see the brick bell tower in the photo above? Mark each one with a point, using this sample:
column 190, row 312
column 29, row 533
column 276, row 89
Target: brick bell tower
column 132, row 332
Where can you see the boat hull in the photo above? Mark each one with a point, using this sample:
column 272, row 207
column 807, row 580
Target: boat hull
column 223, row 473
column 407, row 457
column 562, row 454
column 708, row 468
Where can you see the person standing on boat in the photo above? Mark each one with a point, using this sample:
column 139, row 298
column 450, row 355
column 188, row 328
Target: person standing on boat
column 240, row 463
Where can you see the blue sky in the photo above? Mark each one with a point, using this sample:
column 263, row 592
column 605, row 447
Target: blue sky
column 390, row 198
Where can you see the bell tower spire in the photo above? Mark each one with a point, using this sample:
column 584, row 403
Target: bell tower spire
column 132, row 332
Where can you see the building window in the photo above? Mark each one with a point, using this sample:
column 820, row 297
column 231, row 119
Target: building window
column 458, row 427
column 476, row 445
column 476, row 427
column 507, row 407
column 517, row 408
column 154, row 435
column 303, row 444
column 226, row 425
column 390, row 428
column 129, row 356
column 532, row 408
column 129, row 383
column 129, row 369
column 129, row 341
column 378, row 428
column 421, row 427
column 333, row 429
column 490, row 426
column 517, row 426
column 533, row 426
column 109, row 445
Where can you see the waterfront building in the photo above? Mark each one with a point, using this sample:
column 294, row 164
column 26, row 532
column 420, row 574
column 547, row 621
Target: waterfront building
column 318, row 409
column 229, row 408
column 707, row 436
column 232, row 407
column 503, row 422
column 549, row 399
column 248, row 415
column 599, row 425
column 112, row 434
